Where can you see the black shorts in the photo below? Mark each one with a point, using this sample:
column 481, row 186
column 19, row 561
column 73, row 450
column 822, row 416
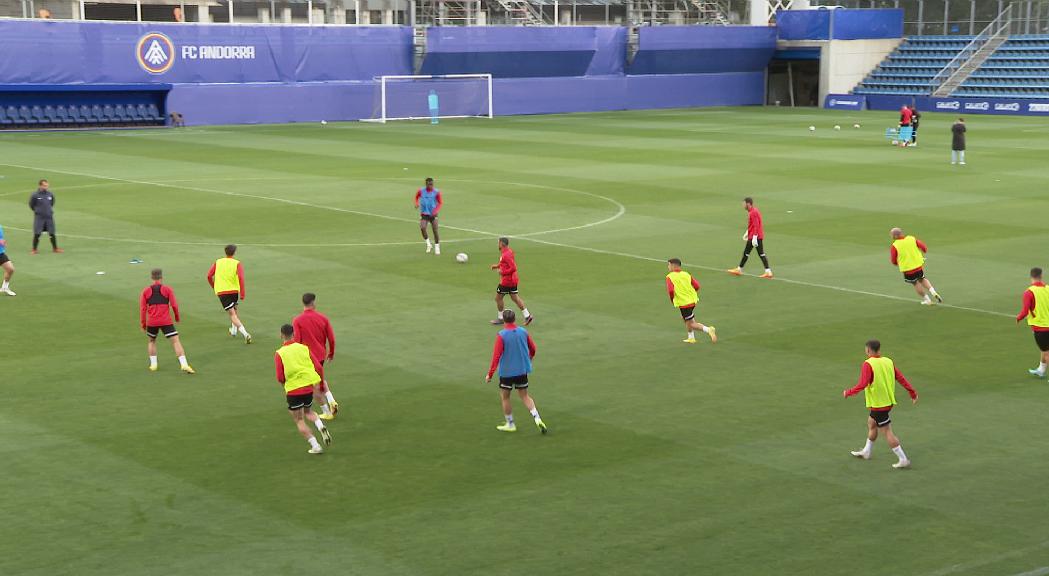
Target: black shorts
column 513, row 382
column 914, row 277
column 3, row 258
column 506, row 289
column 428, row 218
column 300, row 401
column 1042, row 339
column 688, row 312
column 169, row 331
column 229, row 301
column 881, row 417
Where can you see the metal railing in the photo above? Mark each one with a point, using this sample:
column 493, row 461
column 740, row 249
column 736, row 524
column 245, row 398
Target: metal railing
column 997, row 27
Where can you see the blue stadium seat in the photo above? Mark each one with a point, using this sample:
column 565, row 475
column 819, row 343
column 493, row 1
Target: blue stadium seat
column 96, row 113
column 62, row 113
column 38, row 115
column 26, row 116
column 120, row 113
column 88, row 116
column 4, row 120
column 109, row 114
column 154, row 113
column 52, row 116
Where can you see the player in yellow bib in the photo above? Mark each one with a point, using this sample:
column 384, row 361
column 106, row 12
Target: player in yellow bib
column 226, row 276
column 299, row 372
column 908, row 253
column 684, row 293
column 878, row 379
column 1036, row 311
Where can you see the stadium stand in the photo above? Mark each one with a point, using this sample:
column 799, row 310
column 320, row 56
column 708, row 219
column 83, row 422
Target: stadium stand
column 1018, row 69
column 909, row 70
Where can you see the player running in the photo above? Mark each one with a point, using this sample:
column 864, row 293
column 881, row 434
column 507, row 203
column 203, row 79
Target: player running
column 684, row 293
column 226, row 276
column 754, row 238
column 429, row 202
column 1036, row 310
column 513, row 354
column 314, row 330
column 908, row 253
column 877, row 383
column 6, row 265
column 42, row 203
column 507, row 267
column 155, row 306
column 299, row 372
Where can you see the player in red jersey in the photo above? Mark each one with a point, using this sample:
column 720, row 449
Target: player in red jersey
column 507, row 267
column 155, row 306
column 754, row 237
column 314, row 330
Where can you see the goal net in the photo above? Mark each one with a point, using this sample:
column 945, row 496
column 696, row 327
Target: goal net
column 443, row 96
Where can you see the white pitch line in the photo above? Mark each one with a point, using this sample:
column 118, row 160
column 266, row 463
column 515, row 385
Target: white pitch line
column 493, row 235
column 1036, row 572
column 968, row 567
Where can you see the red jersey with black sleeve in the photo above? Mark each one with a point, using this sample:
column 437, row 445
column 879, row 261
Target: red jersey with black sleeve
column 1028, row 308
column 867, row 376
column 314, row 330
column 507, row 268
column 155, row 305
column 755, row 227
column 894, row 255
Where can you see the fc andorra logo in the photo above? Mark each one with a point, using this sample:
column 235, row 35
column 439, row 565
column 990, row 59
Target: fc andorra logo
column 155, row 53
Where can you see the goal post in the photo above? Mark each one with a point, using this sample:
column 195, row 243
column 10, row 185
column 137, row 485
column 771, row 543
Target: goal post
column 416, row 97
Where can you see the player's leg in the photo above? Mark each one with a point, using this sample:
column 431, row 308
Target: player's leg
column 872, row 435
column 180, row 352
column 764, row 259
column 708, row 330
column 152, row 349
column 9, row 271
column 954, row 156
column 508, row 413
column 297, row 414
column 521, row 306
column 1041, row 339
column 499, row 307
column 961, row 157
column 436, row 237
column 238, row 326
column 929, row 289
column 319, row 424
column 38, row 230
column 894, row 443
column 743, row 261
column 51, row 232
column 526, row 399
column 915, row 281
column 426, row 237
column 322, row 395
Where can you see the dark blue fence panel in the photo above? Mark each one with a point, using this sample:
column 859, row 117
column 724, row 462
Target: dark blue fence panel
column 963, row 106
column 845, row 102
column 62, row 52
column 803, row 24
column 703, row 49
column 867, row 24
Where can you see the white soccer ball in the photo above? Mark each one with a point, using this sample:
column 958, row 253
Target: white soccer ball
column 461, row 258
column 324, row 122
column 812, row 128
column 855, row 125
column 836, row 127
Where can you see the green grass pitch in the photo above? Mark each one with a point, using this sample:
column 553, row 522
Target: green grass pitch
column 663, row 458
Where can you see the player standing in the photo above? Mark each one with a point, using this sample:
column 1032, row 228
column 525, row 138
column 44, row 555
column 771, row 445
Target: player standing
column 877, row 381
column 6, row 265
column 908, row 253
column 299, row 372
column 226, row 276
column 754, row 238
column 906, row 115
column 1036, row 310
column 42, row 203
column 916, row 118
column 155, row 306
column 958, row 131
column 684, row 293
column 429, row 202
column 508, row 280
column 513, row 354
column 314, row 330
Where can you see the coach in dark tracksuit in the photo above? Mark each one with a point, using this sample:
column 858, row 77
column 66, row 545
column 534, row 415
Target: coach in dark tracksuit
column 916, row 118
column 42, row 203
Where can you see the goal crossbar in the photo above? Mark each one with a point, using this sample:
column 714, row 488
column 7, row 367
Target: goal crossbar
column 487, row 112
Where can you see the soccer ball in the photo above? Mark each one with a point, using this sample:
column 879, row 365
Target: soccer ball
column 855, row 125
column 324, row 122
column 461, row 258
column 812, row 128
column 836, row 127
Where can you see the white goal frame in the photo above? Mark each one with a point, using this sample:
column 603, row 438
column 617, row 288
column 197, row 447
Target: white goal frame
column 383, row 118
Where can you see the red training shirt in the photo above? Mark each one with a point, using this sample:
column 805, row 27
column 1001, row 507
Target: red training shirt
column 894, row 256
column 154, row 305
column 507, row 268
column 905, row 116
column 755, row 227
column 497, row 352
column 1028, row 308
column 867, row 377
column 240, row 276
column 314, row 330
column 279, row 364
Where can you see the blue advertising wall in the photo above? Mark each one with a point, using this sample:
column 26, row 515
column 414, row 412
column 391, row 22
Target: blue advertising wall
column 961, row 106
column 840, row 24
column 702, row 49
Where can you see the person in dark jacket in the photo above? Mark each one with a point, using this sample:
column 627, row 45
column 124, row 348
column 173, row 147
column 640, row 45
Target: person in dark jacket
column 42, row 203
column 958, row 142
column 916, row 118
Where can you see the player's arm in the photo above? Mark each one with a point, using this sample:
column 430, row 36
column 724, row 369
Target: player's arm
column 531, row 347
column 921, row 245
column 866, row 377
column 143, row 309
column 279, row 365
column 240, row 276
column 670, row 290
column 440, row 203
column 174, row 303
column 1028, row 306
column 211, row 275
column 32, row 202
column 329, row 333
column 418, row 194
column 497, row 353
column 894, row 255
column 695, row 283
column 907, row 385
column 3, row 242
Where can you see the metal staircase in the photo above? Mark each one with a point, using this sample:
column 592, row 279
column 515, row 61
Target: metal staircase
column 973, row 55
column 711, row 13
column 522, row 13
column 446, row 12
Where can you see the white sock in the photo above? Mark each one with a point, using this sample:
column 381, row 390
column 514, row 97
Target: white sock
column 328, row 395
column 525, row 312
column 1041, row 366
column 319, row 424
column 706, row 329
column 4, row 286
column 898, row 451
column 243, row 331
column 932, row 290
column 535, row 413
column 313, row 443
column 153, row 361
column 325, row 409
column 509, row 419
column 428, row 243
column 768, row 270
column 867, row 447
column 181, row 360
column 691, row 334
column 926, row 298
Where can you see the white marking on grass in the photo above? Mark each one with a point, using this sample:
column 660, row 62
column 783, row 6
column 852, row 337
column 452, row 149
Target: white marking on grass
column 968, row 567
column 1036, row 572
column 74, row 187
column 494, row 235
